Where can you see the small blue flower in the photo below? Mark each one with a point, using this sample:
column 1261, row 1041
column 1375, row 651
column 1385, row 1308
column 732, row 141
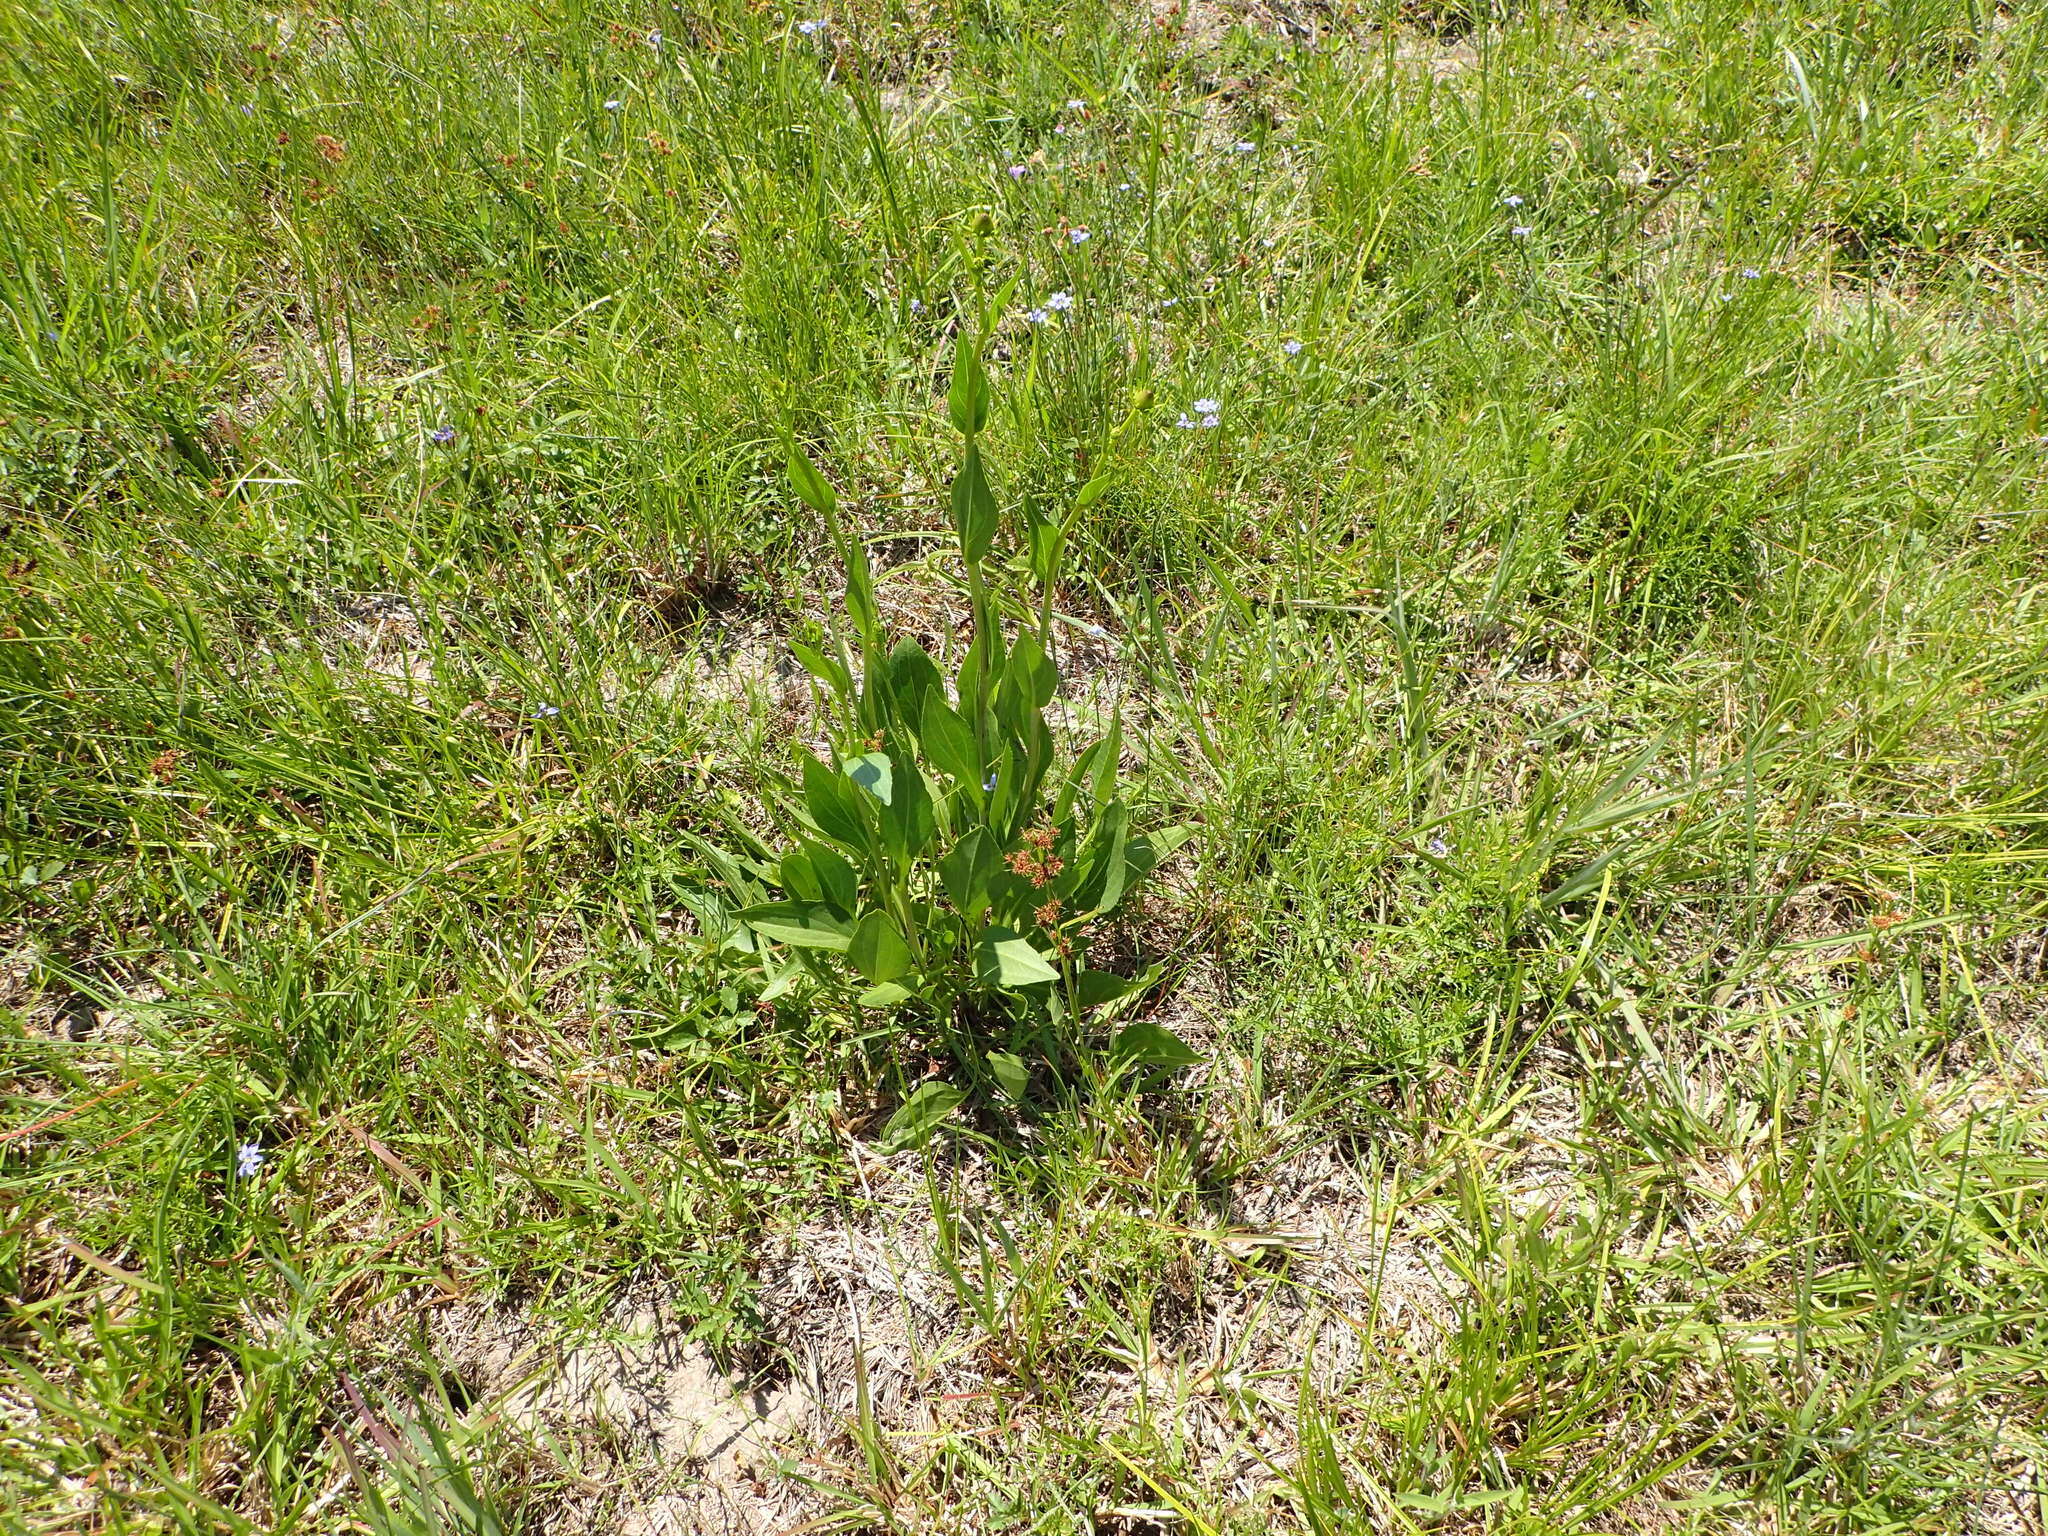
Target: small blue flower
column 988, row 785
column 1512, row 200
column 248, row 1159
column 443, row 435
column 1244, row 147
column 1037, row 316
column 1439, row 847
column 1522, row 231
column 1291, row 347
column 810, row 28
column 1751, row 273
column 546, row 711
column 1060, row 301
column 1208, row 407
column 1078, row 236
column 1076, row 104
column 612, row 106
column 916, row 306
column 1017, row 172
column 654, row 38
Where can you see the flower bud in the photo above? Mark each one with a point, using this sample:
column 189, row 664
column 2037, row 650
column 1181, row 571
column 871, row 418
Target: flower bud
column 1142, row 398
column 984, row 222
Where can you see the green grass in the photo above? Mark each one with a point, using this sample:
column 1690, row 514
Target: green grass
column 1606, row 666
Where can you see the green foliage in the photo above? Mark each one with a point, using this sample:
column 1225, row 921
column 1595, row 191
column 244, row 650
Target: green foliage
column 946, row 861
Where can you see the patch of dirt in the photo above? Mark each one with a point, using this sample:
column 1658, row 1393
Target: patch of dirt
column 386, row 628
column 699, row 1450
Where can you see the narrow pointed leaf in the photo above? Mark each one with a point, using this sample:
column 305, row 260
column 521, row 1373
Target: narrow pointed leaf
column 834, row 805
column 967, row 395
column 815, row 489
column 975, row 515
column 805, row 924
column 949, row 743
column 966, row 870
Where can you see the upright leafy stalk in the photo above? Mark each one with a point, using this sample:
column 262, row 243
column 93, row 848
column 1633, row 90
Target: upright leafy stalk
column 938, row 866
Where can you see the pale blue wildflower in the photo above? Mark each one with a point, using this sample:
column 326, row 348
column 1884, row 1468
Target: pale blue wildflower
column 1061, row 301
column 443, row 435
column 810, row 28
column 1523, row 231
column 1036, row 316
column 1208, row 407
column 612, row 106
column 1512, row 200
column 1291, row 348
column 1078, row 236
column 248, row 1159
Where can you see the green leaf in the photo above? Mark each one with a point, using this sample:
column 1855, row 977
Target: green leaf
column 1048, row 542
column 1032, row 671
column 967, row 395
column 826, row 669
column 1010, row 1073
column 920, row 1115
column 799, row 877
column 912, row 679
column 975, row 515
column 835, row 806
column 878, row 951
column 1092, row 491
column 804, row 924
column 908, row 823
column 837, row 883
column 1147, row 851
column 1151, row 1045
column 966, row 870
column 1096, row 988
column 1104, row 870
column 949, row 743
column 812, row 486
column 875, row 774
column 887, row 995
column 1002, row 959
column 860, row 596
